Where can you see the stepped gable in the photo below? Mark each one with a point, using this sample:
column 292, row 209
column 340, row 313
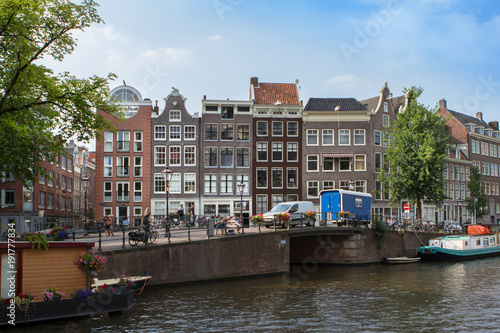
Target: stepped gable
column 329, row 104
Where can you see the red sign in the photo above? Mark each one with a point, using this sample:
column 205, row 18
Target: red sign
column 407, row 207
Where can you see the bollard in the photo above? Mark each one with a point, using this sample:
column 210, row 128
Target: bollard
column 259, row 227
column 123, row 238
column 189, row 231
column 274, row 222
column 301, row 221
column 100, row 242
column 168, row 229
column 74, row 234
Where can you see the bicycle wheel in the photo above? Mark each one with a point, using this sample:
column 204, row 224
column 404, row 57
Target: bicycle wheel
column 132, row 241
column 153, row 237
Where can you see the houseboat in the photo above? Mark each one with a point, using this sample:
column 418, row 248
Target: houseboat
column 478, row 243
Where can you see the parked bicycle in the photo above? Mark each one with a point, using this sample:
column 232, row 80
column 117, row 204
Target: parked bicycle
column 137, row 237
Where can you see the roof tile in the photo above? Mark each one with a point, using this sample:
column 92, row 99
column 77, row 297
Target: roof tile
column 271, row 93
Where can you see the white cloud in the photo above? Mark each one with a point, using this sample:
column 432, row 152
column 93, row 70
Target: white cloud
column 214, row 38
column 168, row 55
column 343, row 79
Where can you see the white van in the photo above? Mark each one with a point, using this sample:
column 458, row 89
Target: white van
column 297, row 209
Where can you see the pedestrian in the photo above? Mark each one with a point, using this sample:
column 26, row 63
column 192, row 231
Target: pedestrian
column 180, row 213
column 191, row 214
column 146, row 219
column 109, row 225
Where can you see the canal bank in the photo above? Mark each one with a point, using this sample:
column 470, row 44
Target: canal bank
column 257, row 254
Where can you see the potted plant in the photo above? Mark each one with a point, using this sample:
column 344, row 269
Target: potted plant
column 257, row 219
column 344, row 214
column 37, row 240
column 310, row 214
column 51, row 294
column 81, row 293
column 282, row 218
column 90, row 263
column 59, row 233
column 23, row 302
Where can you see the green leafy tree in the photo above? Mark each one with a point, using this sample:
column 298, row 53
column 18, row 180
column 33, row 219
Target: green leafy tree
column 477, row 201
column 415, row 154
column 39, row 110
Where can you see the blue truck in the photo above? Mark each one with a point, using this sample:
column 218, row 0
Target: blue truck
column 356, row 207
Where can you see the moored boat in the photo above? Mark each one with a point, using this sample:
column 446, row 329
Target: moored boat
column 401, row 260
column 478, row 243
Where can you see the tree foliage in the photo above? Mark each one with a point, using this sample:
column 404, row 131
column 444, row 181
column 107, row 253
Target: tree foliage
column 477, row 201
column 39, row 110
column 416, row 153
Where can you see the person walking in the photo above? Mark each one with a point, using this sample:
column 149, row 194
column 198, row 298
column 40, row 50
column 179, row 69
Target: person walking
column 109, row 225
column 191, row 215
column 146, row 219
column 180, row 213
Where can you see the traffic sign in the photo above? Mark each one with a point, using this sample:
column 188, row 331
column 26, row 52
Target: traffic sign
column 407, row 207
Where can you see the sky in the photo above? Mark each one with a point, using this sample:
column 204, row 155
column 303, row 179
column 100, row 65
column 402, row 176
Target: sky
column 336, row 49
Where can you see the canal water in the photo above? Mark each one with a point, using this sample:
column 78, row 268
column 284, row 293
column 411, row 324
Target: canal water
column 421, row 297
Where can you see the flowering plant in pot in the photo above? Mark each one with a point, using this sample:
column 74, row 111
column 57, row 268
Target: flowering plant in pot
column 51, row 294
column 91, row 262
column 37, row 240
column 81, row 293
column 282, row 218
column 102, row 289
column 59, row 233
column 258, row 218
column 343, row 213
column 310, row 214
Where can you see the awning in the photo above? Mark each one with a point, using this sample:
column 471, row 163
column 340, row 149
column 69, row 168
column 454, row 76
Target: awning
column 338, row 155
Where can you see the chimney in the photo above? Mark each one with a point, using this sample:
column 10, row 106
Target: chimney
column 255, row 81
column 442, row 104
column 494, row 124
column 204, row 97
column 479, row 115
column 156, row 109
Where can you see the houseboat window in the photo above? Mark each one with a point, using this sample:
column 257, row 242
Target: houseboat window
column 492, row 241
column 485, row 242
column 478, row 241
column 466, row 243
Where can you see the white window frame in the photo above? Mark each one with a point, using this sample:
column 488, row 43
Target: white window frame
column 360, row 133
column 312, row 138
column 160, row 133
column 325, row 133
column 344, row 133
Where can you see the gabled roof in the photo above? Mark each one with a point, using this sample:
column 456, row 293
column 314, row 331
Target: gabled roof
column 272, row 93
column 329, row 104
column 372, row 103
column 466, row 119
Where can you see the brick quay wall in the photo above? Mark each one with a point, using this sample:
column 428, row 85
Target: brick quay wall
column 256, row 254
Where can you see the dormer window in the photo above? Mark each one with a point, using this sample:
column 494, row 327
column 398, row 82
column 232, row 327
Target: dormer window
column 478, row 130
column 469, row 127
column 487, row 132
column 175, row 115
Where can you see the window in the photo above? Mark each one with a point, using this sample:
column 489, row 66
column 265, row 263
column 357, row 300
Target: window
column 276, row 199
column 108, row 142
column 473, row 146
column 160, row 132
column 227, row 112
column 243, row 132
column 292, row 151
column 210, row 132
column 137, row 191
column 160, row 155
column 174, row 132
column 210, row 184
column 262, row 128
column 277, row 177
column 327, row 137
column 378, row 162
column 50, row 179
column 377, row 138
column 386, row 107
column 361, row 186
column 189, row 183
column 174, row 155
column 175, row 115
column 261, row 203
column 344, row 164
column 344, row 137
column 385, row 121
column 63, row 204
column 359, row 137
column 292, row 178
column 344, row 185
column 277, row 151
column 243, row 109
column 312, row 163
column 212, row 108
column 328, row 163
column 451, row 172
column 226, row 184
column 328, row 185
column 70, row 185
column 122, row 193
column 211, row 156
column 261, row 151
column 245, row 180
column 312, row 137
column 108, row 166
column 41, row 200
column 312, row 189
column 226, row 132
column 9, row 199
column 189, row 155
column 243, row 157
column 261, row 178
column 122, row 166
column 277, row 128
column 359, row 162
column 137, row 166
column 159, row 182
column 70, row 164
column 138, row 141
column 123, row 141
column 63, row 162
column 63, row 183
column 292, row 128
column 175, row 183
column 189, row 132
column 226, row 157
column 378, row 190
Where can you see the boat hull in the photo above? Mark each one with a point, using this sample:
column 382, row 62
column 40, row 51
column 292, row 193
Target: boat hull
column 432, row 253
column 401, row 260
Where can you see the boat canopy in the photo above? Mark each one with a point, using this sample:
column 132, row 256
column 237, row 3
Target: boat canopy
column 477, row 230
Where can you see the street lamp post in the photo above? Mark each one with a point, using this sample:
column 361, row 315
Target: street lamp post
column 241, row 188
column 85, row 182
column 168, row 176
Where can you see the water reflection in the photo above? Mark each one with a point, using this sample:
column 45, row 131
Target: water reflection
column 423, row 297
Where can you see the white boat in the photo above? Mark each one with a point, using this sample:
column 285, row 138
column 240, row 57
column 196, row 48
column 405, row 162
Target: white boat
column 478, row 243
column 401, row 260
column 138, row 280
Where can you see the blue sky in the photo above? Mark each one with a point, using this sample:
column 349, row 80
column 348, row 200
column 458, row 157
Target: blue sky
column 451, row 48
